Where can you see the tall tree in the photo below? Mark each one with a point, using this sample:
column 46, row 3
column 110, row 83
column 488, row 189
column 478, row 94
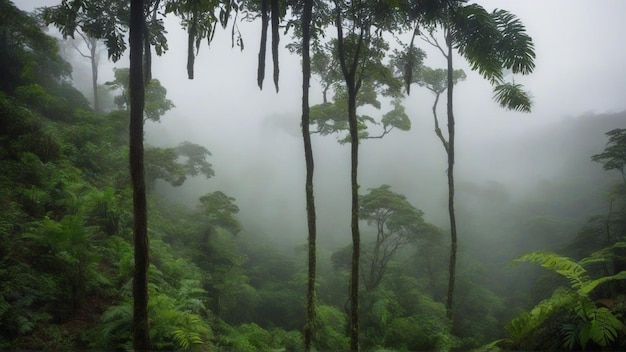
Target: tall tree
column 308, row 156
column 349, row 68
column 397, row 223
column 363, row 23
column 141, row 328
column 491, row 42
column 94, row 59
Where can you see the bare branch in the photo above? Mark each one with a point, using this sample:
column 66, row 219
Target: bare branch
column 434, row 42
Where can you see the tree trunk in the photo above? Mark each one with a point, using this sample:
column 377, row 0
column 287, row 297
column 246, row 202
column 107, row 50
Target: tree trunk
column 141, row 330
column 356, row 235
column 94, row 72
column 308, row 155
column 453, row 237
column 353, row 84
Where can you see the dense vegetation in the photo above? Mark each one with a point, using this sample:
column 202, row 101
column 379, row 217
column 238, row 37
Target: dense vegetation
column 66, row 251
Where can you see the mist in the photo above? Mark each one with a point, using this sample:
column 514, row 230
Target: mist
column 254, row 135
column 255, row 140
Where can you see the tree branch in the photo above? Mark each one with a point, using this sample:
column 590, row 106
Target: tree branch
column 434, row 42
column 437, row 129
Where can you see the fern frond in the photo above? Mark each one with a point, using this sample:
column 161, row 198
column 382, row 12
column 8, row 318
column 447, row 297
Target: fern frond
column 491, row 346
column 603, row 255
column 570, row 335
column 604, row 327
column 186, row 339
column 525, row 323
column 584, row 308
column 589, row 286
column 559, row 264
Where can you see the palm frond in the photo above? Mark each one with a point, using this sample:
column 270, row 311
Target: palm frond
column 511, row 96
column 474, row 32
column 515, row 46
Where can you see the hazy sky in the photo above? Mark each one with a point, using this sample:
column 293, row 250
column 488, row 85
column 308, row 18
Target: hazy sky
column 254, row 135
column 581, row 62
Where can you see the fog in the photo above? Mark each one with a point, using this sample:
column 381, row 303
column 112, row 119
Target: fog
column 255, row 141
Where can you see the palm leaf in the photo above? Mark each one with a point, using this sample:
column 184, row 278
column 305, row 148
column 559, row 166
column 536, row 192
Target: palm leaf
column 516, row 48
column 511, row 96
column 474, row 32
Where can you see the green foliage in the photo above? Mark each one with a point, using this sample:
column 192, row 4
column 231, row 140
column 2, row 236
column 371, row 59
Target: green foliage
column 330, row 327
column 376, row 80
column 106, row 20
column 396, row 118
column 178, row 316
column 220, row 210
column 156, row 103
column 28, row 54
column 174, row 165
column 492, row 42
column 614, row 155
column 511, row 96
column 397, row 224
column 588, row 322
column 390, row 210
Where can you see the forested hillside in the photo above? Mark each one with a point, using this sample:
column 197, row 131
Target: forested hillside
column 216, row 283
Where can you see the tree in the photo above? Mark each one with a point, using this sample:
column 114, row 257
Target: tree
column 491, row 42
column 94, row 59
column 156, row 102
column 397, row 223
column 220, row 210
column 309, row 328
column 141, row 328
column 358, row 51
column 349, row 66
column 378, row 80
column 174, row 165
column 614, row 158
column 614, row 155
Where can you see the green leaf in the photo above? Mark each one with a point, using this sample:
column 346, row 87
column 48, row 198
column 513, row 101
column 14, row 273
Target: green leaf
column 511, row 96
column 589, row 286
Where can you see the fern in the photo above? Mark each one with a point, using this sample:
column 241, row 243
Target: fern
column 604, row 326
column 570, row 335
column 190, row 333
column 185, row 338
column 587, row 287
column 597, row 324
column 523, row 325
column 561, row 265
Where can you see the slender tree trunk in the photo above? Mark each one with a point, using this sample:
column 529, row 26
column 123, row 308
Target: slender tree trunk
column 308, row 155
column 94, row 72
column 453, row 237
column 356, row 235
column 141, row 330
column 353, row 84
